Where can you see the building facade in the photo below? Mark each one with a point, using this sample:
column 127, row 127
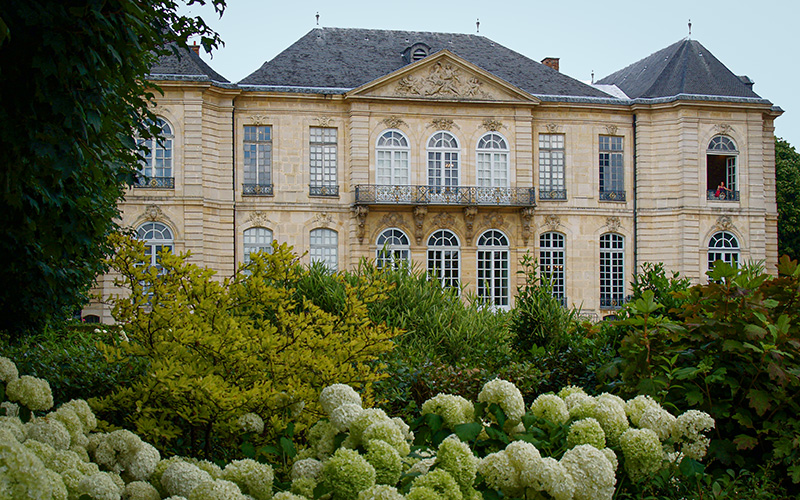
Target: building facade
column 461, row 156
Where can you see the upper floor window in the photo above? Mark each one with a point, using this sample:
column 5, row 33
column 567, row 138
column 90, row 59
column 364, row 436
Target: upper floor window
column 393, row 249
column 443, row 169
column 493, row 268
column 156, row 169
column 612, row 271
column 492, row 161
column 392, row 152
column 551, row 167
column 157, row 238
column 612, row 173
column 721, row 178
column 256, row 239
column 723, row 246
column 257, row 160
column 552, row 263
column 444, row 258
column 323, row 169
column 324, row 247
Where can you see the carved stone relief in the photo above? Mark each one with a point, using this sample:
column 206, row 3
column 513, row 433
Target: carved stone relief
column 611, row 129
column 324, row 121
column 723, row 128
column 552, row 127
column 153, row 213
column 493, row 220
column 443, row 80
column 443, row 124
column 260, row 219
column 469, row 220
column 613, row 223
column 724, row 223
column 443, row 221
column 493, row 125
column 394, row 122
column 323, row 219
column 419, row 220
column 551, row 222
column 526, row 216
column 393, row 219
column 361, row 212
column 259, row 120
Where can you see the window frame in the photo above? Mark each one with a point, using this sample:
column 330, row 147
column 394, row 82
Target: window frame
column 393, row 249
column 492, row 161
column 552, row 167
column 722, row 147
column 392, row 153
column 153, row 245
column 612, row 270
column 443, row 261
column 611, row 165
column 249, row 247
column 324, row 251
column 159, row 149
column 443, row 153
column 492, row 269
column 553, row 263
column 257, row 160
column 728, row 254
column 323, row 151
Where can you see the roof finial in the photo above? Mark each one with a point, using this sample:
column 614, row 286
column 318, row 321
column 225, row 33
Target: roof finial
column 592, row 77
column 317, row 18
column 478, row 26
column 690, row 28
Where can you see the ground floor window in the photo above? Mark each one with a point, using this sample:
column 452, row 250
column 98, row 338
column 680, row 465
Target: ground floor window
column 552, row 263
column 444, row 258
column 612, row 271
column 324, row 247
column 723, row 246
column 493, row 268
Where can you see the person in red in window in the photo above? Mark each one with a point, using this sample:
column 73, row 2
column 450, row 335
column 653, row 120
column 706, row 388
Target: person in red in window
column 722, row 191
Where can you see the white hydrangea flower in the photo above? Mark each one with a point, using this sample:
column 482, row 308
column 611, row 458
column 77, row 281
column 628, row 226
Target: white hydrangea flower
column 307, row 467
column 387, row 431
column 608, row 398
column 321, row 439
column 657, row 420
column 100, row 486
column 499, row 473
column 592, row 472
column 507, row 396
column 688, row 430
column 586, row 431
column 457, row 459
column 611, row 456
column 48, row 430
column 140, row 490
column 643, row 453
column 21, row 471
column 8, row 370
column 125, row 453
column 454, row 410
column 568, row 390
column 336, row 395
column 636, row 406
column 580, row 405
column 364, row 419
column 404, row 428
column 250, row 422
column 31, row 392
column 288, row 495
column 10, row 409
column 180, row 478
column 552, row 477
column 253, row 478
column 343, row 415
column 550, row 407
column 380, row 492
column 216, row 489
column 13, row 425
column 84, row 412
column 612, row 419
column 422, row 466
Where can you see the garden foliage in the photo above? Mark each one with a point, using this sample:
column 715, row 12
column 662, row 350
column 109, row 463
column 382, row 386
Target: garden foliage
column 215, row 350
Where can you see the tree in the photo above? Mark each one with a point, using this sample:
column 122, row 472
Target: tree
column 73, row 96
column 787, row 177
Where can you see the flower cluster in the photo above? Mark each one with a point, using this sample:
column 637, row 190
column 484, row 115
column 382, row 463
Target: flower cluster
column 550, row 407
column 454, row 410
column 507, row 396
column 250, row 422
column 688, row 430
column 643, row 453
column 31, row 392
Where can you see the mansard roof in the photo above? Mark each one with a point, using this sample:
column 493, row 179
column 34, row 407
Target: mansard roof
column 683, row 68
column 183, row 64
column 340, row 59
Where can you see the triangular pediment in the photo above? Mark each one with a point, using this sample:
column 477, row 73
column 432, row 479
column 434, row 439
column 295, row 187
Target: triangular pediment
column 443, row 76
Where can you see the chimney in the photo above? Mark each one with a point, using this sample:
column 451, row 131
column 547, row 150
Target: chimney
column 196, row 49
column 551, row 62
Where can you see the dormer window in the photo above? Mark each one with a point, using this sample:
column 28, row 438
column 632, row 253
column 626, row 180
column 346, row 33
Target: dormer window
column 416, row 52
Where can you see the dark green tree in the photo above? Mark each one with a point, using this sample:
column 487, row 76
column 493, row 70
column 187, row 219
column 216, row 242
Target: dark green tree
column 787, row 177
column 73, row 96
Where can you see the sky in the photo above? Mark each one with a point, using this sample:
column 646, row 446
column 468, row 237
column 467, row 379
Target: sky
column 758, row 39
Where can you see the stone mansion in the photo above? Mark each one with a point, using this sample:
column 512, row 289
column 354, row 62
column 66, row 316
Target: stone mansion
column 460, row 155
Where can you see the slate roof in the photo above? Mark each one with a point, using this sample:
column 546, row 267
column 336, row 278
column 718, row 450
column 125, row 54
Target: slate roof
column 683, row 68
column 183, row 64
column 340, row 59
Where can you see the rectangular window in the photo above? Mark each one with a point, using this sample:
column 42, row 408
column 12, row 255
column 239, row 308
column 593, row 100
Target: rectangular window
column 551, row 263
column 612, row 271
column 551, row 167
column 323, row 147
column 612, row 179
column 257, row 160
column 324, row 247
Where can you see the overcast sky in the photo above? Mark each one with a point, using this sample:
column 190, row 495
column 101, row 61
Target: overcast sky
column 760, row 39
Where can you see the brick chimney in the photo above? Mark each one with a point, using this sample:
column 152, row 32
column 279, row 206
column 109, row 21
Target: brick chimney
column 551, row 62
column 196, row 49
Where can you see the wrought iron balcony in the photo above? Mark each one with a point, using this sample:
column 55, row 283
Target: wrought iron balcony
column 612, row 195
column 552, row 194
column 608, row 302
column 378, row 194
column 727, row 195
column 257, row 189
column 323, row 190
column 143, row 181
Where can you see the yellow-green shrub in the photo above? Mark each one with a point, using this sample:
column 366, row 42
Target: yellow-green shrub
column 218, row 349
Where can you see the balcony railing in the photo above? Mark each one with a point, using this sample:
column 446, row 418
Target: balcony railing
column 378, row 194
column 552, row 194
column 257, row 189
column 143, row 181
column 723, row 195
column 323, row 190
column 612, row 301
column 612, row 195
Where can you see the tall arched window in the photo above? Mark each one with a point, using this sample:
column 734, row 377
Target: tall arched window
column 157, row 238
column 392, row 152
column 443, row 167
column 393, row 249
column 612, row 271
column 324, row 247
column 256, row 239
column 492, row 161
column 721, row 174
column 552, row 263
column 444, row 258
column 493, row 268
column 723, row 246
column 156, row 168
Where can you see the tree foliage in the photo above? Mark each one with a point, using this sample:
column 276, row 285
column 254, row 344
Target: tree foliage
column 787, row 174
column 73, row 96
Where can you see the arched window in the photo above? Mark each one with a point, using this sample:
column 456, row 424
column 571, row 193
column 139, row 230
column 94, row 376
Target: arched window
column 392, row 159
column 444, row 258
column 256, row 239
column 723, row 246
column 443, row 169
column 721, row 169
column 493, row 268
column 393, row 249
column 552, row 262
column 157, row 238
column 324, row 247
column 612, row 271
column 492, row 161
column 156, row 168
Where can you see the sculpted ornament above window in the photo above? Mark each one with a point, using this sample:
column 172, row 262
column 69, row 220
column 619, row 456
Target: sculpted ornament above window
column 259, row 120
column 442, row 124
column 613, row 223
column 443, row 80
column 260, row 219
column 394, row 122
column 154, row 213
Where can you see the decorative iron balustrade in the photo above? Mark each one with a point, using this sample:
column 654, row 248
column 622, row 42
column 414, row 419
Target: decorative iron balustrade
column 257, row 189
column 143, row 181
column 612, row 195
column 608, row 302
column 552, row 194
column 323, row 190
column 728, row 195
column 444, row 195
